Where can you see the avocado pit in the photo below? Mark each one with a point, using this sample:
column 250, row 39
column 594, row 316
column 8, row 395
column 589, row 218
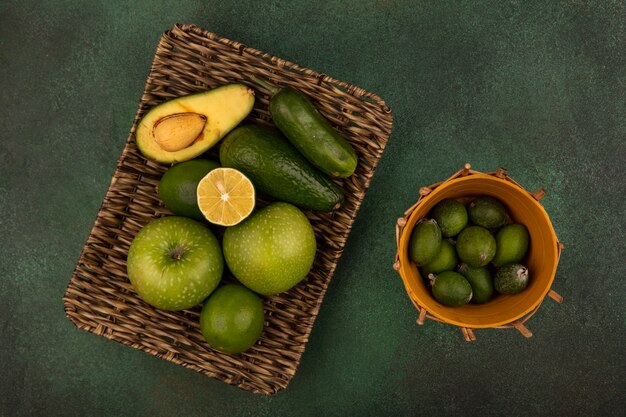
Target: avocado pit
column 179, row 130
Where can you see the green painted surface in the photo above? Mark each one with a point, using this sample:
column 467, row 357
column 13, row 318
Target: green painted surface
column 537, row 87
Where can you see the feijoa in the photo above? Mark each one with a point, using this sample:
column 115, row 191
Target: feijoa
column 425, row 242
column 451, row 216
column 511, row 244
column 487, row 212
column 481, row 282
column 511, row 279
column 476, row 246
column 452, row 289
column 445, row 260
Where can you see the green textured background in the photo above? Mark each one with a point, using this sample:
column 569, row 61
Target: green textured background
column 537, row 87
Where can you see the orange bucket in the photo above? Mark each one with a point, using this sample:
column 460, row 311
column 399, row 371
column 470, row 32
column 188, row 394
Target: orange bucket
column 542, row 258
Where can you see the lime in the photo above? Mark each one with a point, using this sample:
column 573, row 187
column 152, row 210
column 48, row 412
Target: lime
column 445, row 260
column 425, row 242
column 476, row 246
column 452, row 289
column 511, row 244
column 451, row 216
column 481, row 282
column 177, row 188
column 511, row 279
column 232, row 319
column 225, row 196
column 487, row 212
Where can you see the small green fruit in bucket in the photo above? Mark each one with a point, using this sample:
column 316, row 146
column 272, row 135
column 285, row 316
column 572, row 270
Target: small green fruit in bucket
column 481, row 281
column 451, row 216
column 476, row 246
column 511, row 279
column 511, row 244
column 445, row 260
column 451, row 288
column 425, row 242
column 487, row 212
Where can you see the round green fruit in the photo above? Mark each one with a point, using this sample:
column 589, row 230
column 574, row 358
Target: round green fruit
column 476, row 246
column 487, row 212
column 272, row 250
column 425, row 242
column 511, row 244
column 232, row 319
column 511, row 279
column 177, row 188
column 445, row 260
column 174, row 263
column 481, row 282
column 452, row 289
column 451, row 216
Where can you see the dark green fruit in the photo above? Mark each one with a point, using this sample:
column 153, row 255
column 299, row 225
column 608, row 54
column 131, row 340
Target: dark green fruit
column 487, row 212
column 277, row 169
column 452, row 289
column 177, row 188
column 476, row 246
column 511, row 244
column 445, row 260
column 451, row 217
column 511, row 279
column 481, row 282
column 307, row 130
column 425, row 242
column 232, row 319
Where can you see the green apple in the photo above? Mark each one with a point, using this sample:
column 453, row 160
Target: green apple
column 272, row 250
column 174, row 263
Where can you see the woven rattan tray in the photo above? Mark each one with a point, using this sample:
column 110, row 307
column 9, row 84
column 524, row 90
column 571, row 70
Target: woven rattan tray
column 99, row 297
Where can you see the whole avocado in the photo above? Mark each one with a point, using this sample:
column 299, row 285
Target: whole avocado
column 277, row 169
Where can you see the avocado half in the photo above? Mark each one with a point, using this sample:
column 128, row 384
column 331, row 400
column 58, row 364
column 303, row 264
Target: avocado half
column 188, row 126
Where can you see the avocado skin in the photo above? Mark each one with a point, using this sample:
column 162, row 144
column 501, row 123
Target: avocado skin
column 306, row 129
column 277, row 169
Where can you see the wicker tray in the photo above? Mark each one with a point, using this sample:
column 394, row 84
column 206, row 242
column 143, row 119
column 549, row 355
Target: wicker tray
column 99, row 297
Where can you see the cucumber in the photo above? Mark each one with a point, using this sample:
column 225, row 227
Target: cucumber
column 313, row 135
column 277, row 169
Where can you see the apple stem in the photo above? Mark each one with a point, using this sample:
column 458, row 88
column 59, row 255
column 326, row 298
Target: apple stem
column 177, row 253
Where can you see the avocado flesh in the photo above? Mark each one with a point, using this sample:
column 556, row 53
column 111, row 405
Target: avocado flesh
column 224, row 108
